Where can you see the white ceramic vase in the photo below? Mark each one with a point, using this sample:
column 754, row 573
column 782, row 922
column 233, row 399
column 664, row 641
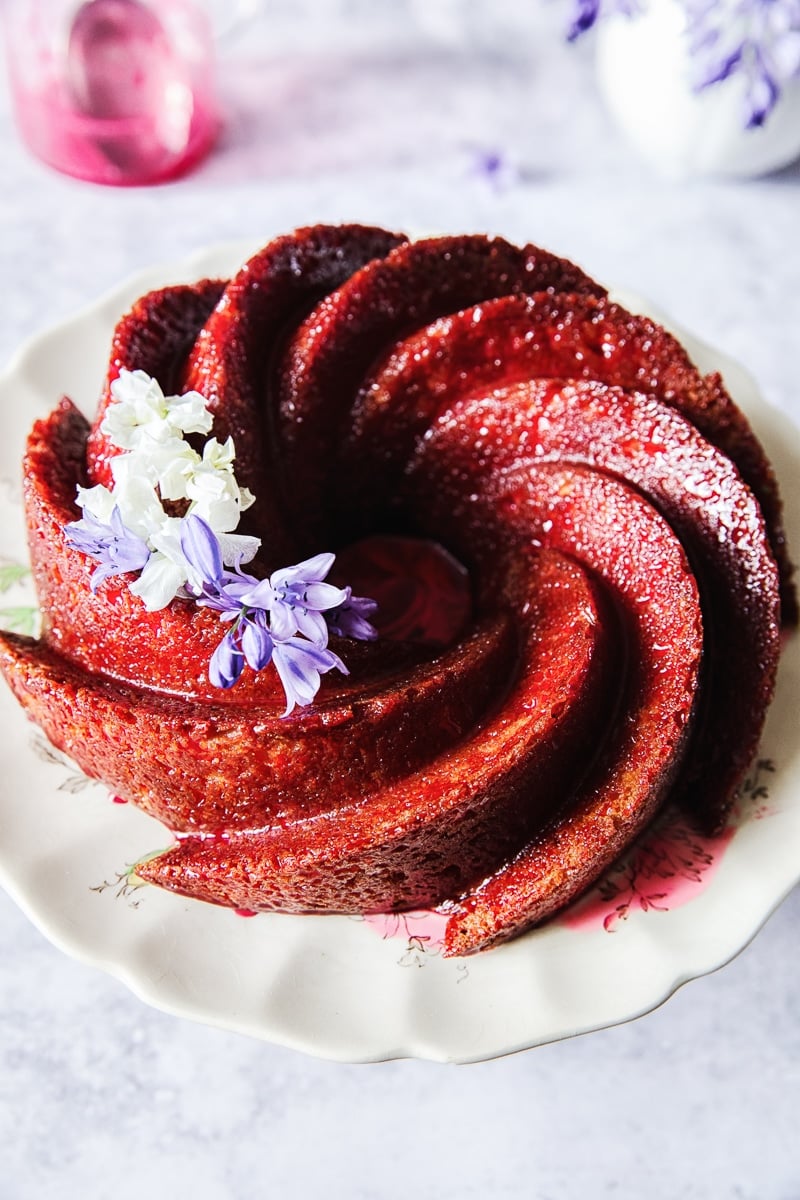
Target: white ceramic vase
column 644, row 73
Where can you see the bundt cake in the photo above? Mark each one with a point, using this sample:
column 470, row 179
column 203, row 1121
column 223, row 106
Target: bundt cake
column 539, row 578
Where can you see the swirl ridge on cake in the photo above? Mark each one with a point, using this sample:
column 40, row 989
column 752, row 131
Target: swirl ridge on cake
column 606, row 532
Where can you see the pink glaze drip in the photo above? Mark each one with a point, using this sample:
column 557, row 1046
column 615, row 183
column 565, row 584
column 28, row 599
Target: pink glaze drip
column 672, row 866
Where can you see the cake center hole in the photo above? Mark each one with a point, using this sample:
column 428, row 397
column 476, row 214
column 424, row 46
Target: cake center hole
column 423, row 593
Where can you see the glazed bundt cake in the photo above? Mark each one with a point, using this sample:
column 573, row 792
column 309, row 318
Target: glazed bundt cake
column 539, row 580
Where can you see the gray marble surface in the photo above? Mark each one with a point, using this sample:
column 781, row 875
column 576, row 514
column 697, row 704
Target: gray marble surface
column 375, row 113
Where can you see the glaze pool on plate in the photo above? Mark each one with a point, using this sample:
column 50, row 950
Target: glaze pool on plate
column 340, row 987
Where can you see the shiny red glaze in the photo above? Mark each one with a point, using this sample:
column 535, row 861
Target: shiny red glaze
column 419, row 831
column 640, row 755
column 328, row 357
column 699, row 492
column 581, row 512
column 515, row 338
column 232, row 361
column 213, row 768
column 543, row 704
column 444, row 827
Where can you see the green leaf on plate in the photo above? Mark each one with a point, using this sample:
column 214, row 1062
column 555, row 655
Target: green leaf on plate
column 21, row 619
column 11, row 573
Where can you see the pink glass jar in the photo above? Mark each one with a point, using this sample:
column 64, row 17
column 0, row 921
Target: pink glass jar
column 113, row 91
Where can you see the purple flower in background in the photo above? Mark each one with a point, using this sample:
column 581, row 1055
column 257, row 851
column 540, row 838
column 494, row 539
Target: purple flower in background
column 586, row 12
column 489, row 163
column 495, row 167
column 284, row 620
column 758, row 39
column 584, row 16
column 117, row 550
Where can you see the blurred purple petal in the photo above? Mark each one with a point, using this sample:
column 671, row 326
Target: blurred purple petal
column 584, row 16
column 762, row 96
column 755, row 39
column 349, row 620
column 585, row 13
column 721, row 69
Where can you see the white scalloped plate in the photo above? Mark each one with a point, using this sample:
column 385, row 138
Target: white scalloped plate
column 350, row 989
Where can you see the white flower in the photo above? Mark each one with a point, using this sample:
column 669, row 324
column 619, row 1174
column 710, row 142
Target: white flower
column 141, row 414
column 160, row 581
column 166, row 465
column 213, row 490
column 237, row 548
column 219, row 456
column 157, row 465
column 98, row 501
column 175, row 469
column 167, row 571
column 140, row 507
column 175, row 472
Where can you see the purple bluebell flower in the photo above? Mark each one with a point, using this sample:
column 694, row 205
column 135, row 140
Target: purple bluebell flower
column 211, row 584
column 349, row 619
column 227, row 663
column 297, row 599
column 284, row 620
column 201, row 549
column 112, row 545
column 249, row 641
column 257, row 640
